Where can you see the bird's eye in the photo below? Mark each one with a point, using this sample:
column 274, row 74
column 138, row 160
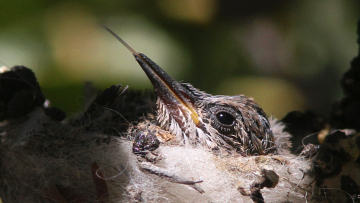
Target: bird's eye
column 225, row 118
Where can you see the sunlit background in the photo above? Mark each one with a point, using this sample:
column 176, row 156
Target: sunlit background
column 288, row 55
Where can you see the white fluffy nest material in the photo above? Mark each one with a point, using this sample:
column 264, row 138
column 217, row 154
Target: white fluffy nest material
column 180, row 174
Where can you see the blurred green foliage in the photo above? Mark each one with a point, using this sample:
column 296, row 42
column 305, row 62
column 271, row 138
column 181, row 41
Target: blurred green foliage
column 288, row 55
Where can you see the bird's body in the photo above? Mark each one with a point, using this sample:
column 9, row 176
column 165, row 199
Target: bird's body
column 188, row 173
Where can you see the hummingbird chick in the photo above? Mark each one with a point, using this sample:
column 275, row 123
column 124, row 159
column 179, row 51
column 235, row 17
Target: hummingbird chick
column 198, row 118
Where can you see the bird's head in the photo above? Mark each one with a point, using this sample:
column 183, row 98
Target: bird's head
column 195, row 117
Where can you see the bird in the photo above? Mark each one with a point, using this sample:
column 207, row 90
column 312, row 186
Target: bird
column 195, row 117
column 211, row 144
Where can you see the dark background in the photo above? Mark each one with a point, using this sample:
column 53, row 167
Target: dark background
column 288, row 55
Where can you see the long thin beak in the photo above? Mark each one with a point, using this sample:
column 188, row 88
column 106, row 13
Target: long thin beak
column 169, row 90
